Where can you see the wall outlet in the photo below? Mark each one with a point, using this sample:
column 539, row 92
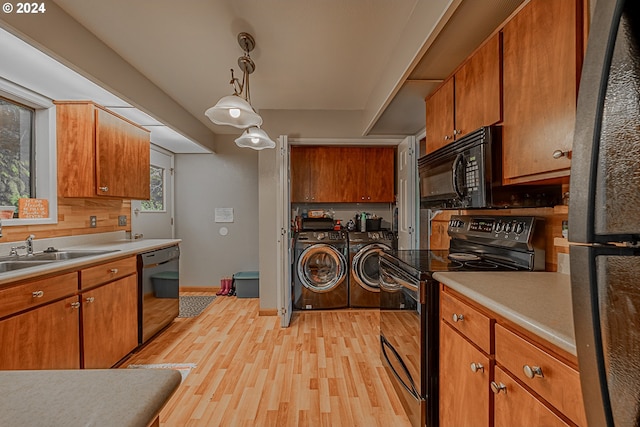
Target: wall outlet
column 122, row 220
column 93, row 221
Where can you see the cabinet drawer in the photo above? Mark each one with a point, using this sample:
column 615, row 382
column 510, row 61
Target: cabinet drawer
column 466, row 319
column 32, row 294
column 103, row 273
column 515, row 406
column 559, row 383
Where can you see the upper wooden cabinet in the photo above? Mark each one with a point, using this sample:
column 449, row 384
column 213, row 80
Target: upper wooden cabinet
column 440, row 116
column 330, row 174
column 469, row 99
column 542, row 60
column 100, row 153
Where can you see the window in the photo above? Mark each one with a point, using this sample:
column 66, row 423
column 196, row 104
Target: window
column 156, row 203
column 27, row 151
column 16, row 152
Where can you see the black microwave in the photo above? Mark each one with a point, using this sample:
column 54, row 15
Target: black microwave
column 467, row 174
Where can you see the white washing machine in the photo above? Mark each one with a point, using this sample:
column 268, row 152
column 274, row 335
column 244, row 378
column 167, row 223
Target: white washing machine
column 321, row 270
column 364, row 250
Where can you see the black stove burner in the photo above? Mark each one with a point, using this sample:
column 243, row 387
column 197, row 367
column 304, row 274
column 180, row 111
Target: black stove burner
column 481, row 265
column 459, row 256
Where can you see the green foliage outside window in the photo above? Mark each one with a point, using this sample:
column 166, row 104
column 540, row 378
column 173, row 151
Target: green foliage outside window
column 156, row 202
column 16, row 135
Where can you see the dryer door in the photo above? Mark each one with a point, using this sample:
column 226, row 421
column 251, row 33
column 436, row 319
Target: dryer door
column 365, row 266
column 321, row 267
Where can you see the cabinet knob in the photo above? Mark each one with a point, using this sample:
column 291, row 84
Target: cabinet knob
column 532, row 371
column 477, row 367
column 498, row 387
column 447, row 137
column 113, row 271
column 104, row 189
column 75, row 305
column 457, row 132
column 457, row 317
column 37, row 294
column 559, row 154
column 90, row 299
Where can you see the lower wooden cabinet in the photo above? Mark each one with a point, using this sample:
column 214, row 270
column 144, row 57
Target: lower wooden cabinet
column 50, row 324
column 515, row 406
column 491, row 375
column 47, row 337
column 464, row 381
column 109, row 322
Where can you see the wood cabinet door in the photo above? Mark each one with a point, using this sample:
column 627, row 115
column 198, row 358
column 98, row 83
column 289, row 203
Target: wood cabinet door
column 440, row 116
column 122, row 158
column 515, row 406
column 464, row 394
column 350, row 179
column 542, row 53
column 379, row 176
column 47, row 337
column 323, row 167
column 478, row 95
column 109, row 322
column 75, row 134
column 300, row 174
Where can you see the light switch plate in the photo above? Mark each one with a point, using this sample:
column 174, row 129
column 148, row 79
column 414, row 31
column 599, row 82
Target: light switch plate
column 122, row 220
column 93, row 221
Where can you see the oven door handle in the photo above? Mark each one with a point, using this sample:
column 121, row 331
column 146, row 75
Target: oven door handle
column 411, row 388
column 455, row 174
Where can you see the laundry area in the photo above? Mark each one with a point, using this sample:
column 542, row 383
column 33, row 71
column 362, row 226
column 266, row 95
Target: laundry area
column 335, row 254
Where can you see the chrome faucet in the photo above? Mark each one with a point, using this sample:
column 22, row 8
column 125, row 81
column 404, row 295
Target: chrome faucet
column 29, row 243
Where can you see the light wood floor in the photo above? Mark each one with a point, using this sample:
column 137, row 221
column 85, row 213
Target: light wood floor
column 324, row 370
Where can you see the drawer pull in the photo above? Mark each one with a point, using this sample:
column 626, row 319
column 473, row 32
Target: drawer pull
column 90, row 299
column 37, row 294
column 458, row 317
column 498, row 387
column 477, row 367
column 104, row 189
column 113, row 271
column 532, row 371
column 75, row 305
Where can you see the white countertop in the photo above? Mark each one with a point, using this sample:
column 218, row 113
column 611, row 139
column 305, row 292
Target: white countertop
column 115, row 241
column 85, row 397
column 539, row 302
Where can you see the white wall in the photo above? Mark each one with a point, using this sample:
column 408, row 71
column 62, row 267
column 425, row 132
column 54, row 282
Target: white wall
column 203, row 182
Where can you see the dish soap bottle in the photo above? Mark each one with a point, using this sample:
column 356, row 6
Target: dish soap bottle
column 363, row 222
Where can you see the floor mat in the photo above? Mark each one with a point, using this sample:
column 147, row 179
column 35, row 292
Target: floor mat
column 192, row 306
column 184, row 368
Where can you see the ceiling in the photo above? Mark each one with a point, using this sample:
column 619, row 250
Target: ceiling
column 329, row 68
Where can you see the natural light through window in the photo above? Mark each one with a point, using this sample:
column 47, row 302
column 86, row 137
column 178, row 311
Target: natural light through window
column 156, row 203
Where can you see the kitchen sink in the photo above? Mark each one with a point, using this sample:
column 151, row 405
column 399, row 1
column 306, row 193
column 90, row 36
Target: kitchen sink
column 6, row 266
column 62, row 255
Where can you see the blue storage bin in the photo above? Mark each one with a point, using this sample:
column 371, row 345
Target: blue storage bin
column 247, row 284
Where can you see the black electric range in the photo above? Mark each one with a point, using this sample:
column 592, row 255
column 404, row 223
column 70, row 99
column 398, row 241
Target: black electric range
column 409, row 298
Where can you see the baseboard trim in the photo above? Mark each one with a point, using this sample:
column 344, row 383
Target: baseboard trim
column 272, row 312
column 199, row 288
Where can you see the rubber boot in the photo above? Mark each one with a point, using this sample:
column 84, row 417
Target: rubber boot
column 223, row 286
column 232, row 289
column 227, row 286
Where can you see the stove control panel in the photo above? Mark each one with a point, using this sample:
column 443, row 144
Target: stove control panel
column 503, row 228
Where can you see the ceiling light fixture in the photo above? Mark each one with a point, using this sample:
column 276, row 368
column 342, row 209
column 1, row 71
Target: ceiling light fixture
column 255, row 138
column 236, row 110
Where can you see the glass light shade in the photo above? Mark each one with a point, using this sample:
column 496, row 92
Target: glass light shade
column 255, row 138
column 234, row 111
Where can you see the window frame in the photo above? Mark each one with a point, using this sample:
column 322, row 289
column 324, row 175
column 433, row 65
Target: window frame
column 46, row 179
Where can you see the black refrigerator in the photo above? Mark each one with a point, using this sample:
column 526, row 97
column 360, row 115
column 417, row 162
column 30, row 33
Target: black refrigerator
column 604, row 217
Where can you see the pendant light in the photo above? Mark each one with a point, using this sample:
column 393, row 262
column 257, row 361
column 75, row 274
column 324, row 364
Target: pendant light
column 236, row 110
column 255, row 138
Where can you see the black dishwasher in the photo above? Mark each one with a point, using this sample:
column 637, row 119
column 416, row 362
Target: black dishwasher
column 158, row 290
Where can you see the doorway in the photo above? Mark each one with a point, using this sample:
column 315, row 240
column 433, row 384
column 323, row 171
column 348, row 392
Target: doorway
column 153, row 218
